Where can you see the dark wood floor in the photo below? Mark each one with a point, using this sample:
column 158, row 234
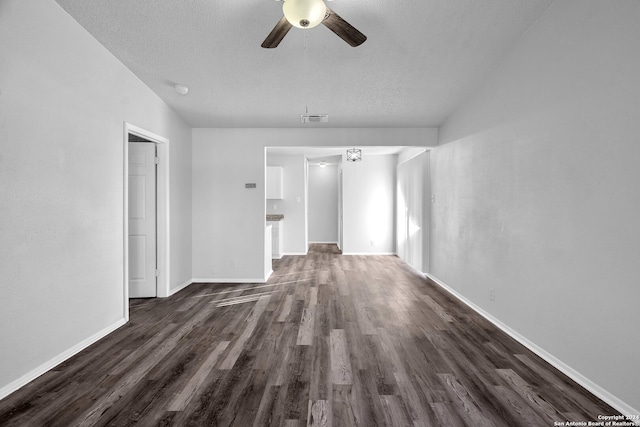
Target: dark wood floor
column 329, row 340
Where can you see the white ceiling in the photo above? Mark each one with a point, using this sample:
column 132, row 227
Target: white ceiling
column 422, row 58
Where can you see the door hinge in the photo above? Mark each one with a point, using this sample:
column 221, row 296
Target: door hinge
column 157, row 160
column 157, row 273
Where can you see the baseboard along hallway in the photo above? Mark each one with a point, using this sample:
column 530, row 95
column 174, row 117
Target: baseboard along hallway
column 329, row 340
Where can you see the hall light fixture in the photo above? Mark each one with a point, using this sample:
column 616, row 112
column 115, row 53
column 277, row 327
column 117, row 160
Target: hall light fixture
column 304, row 13
column 323, row 164
column 354, row 155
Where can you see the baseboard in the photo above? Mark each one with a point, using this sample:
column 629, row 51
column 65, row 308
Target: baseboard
column 585, row 382
column 50, row 364
column 179, row 287
column 294, row 254
column 266, row 277
column 369, row 253
column 323, row 243
column 230, row 280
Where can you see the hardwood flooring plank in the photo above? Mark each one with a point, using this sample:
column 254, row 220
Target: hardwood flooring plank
column 341, row 408
column 313, row 296
column 286, row 309
column 396, row 414
column 320, row 382
column 265, row 414
column 521, row 412
column 413, row 400
column 298, row 380
column 538, row 403
column 445, row 415
column 191, row 388
column 319, row 414
column 306, row 328
column 571, row 392
column 340, row 363
column 468, row 409
column 239, row 345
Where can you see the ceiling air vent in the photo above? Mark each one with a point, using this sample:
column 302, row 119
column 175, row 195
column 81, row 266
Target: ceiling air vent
column 314, row 118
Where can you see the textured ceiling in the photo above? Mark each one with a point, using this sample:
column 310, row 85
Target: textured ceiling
column 421, row 59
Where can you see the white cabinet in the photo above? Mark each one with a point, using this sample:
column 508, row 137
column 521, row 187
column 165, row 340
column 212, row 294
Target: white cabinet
column 276, row 239
column 275, row 187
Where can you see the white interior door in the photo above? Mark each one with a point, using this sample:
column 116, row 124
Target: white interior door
column 142, row 220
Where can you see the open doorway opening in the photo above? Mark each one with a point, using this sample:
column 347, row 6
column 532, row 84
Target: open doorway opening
column 324, row 209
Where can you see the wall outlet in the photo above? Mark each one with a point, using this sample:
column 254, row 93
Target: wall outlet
column 372, row 244
column 275, row 206
column 433, row 198
column 214, row 271
column 234, row 264
column 492, row 294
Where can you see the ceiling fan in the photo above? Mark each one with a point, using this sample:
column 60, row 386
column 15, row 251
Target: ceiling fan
column 307, row 14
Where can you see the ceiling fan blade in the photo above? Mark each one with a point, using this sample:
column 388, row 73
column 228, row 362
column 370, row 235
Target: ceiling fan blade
column 277, row 34
column 343, row 29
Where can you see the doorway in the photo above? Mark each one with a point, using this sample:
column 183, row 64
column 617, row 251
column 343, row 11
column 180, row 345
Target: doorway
column 324, row 192
column 162, row 255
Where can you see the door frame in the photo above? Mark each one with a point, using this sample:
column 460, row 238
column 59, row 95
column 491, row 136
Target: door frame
column 162, row 212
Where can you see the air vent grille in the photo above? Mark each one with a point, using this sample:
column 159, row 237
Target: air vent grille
column 314, row 118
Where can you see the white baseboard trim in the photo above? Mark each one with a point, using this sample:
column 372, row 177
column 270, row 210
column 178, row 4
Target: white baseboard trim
column 294, row 253
column 324, row 243
column 585, row 382
column 268, row 275
column 52, row 363
column 180, row 287
column 230, row 280
column 369, row 253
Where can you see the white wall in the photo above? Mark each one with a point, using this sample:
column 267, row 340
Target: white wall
column 323, row 204
column 536, row 186
column 413, row 208
column 228, row 223
column 369, row 204
column 228, row 219
column 292, row 206
column 63, row 103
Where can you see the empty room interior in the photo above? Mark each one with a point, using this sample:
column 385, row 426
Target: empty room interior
column 316, row 213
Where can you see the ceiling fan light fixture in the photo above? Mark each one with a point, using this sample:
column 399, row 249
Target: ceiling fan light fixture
column 304, row 13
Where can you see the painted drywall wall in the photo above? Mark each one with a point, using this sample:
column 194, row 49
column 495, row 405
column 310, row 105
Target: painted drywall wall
column 413, row 207
column 63, row 103
column 228, row 219
column 536, row 189
column 292, row 206
column 224, row 159
column 323, row 204
column 369, row 204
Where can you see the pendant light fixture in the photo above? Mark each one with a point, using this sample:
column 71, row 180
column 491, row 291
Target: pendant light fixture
column 354, row 155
